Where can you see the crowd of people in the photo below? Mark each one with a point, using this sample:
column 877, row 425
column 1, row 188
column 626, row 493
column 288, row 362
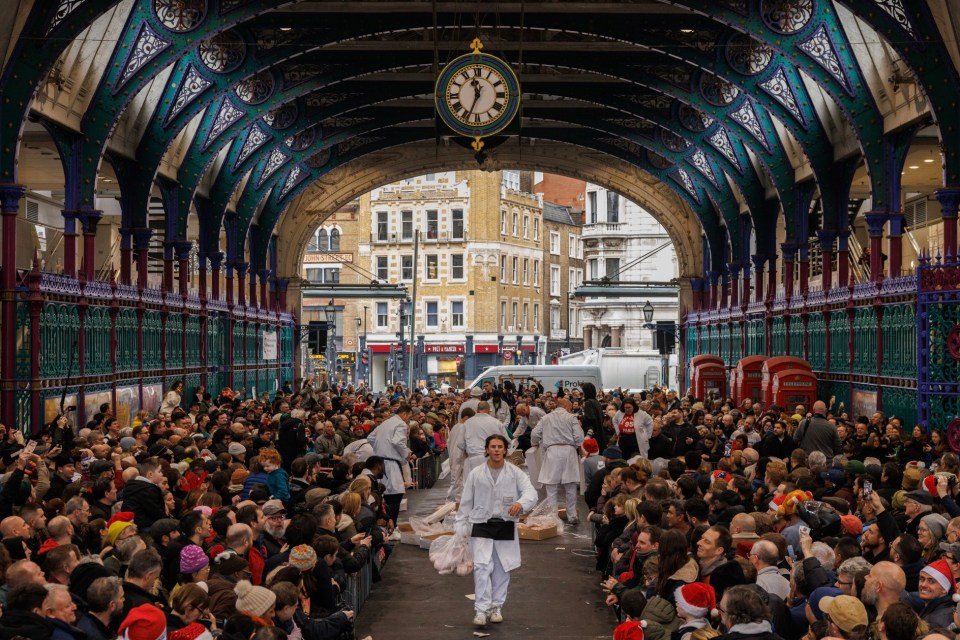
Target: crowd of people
column 245, row 518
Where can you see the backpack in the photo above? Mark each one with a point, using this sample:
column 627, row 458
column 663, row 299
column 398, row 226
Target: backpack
column 823, row 519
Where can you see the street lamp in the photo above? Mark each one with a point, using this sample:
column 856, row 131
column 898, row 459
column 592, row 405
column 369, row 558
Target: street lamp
column 331, row 312
column 660, row 329
column 648, row 312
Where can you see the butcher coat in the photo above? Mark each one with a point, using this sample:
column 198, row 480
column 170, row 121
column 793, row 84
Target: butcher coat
column 389, row 441
column 483, row 499
column 558, row 436
column 457, row 458
column 476, row 431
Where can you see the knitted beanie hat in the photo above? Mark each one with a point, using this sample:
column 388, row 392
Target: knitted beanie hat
column 303, row 557
column 229, row 562
column 697, row 599
column 192, row 559
column 114, row 531
column 238, row 476
column 252, row 599
column 145, row 622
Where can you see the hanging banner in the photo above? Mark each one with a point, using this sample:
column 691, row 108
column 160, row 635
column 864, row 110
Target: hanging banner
column 269, row 345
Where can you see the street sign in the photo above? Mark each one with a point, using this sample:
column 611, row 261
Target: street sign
column 508, row 354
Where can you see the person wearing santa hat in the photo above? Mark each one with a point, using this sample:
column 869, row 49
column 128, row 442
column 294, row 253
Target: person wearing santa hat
column 145, row 622
column 937, row 591
column 696, row 604
column 631, row 606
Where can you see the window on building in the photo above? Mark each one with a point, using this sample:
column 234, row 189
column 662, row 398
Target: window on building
column 331, row 275
column 526, row 226
column 323, row 241
column 571, row 279
column 536, row 228
column 456, row 223
column 406, row 268
column 612, row 268
column 406, row 225
column 383, row 315
column 503, row 268
column 579, row 279
column 516, row 223
column 383, row 226
column 334, row 240
column 592, row 206
column 503, row 315
column 613, row 206
column 554, row 280
column 536, row 317
column 526, row 271
column 572, row 246
column 382, row 272
column 456, row 313
column 555, row 317
column 503, row 222
column 513, row 315
column 315, row 275
column 592, row 266
column 536, row 273
column 433, row 319
column 554, row 243
column 433, row 224
column 456, row 266
column 526, row 312
column 513, row 270
column 314, row 244
column 432, row 265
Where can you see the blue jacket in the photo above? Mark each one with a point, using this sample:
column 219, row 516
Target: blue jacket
column 279, row 484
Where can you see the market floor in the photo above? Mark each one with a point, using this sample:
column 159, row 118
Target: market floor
column 555, row 594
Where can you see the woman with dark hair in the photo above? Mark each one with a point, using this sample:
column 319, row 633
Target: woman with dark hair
column 173, row 398
column 593, row 415
column 677, row 568
column 628, row 439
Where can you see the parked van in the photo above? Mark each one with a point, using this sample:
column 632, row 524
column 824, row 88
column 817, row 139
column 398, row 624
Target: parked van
column 551, row 376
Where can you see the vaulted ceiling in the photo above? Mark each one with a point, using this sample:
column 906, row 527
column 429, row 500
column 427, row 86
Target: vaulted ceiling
column 231, row 109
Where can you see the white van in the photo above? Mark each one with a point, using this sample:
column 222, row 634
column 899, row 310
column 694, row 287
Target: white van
column 551, row 376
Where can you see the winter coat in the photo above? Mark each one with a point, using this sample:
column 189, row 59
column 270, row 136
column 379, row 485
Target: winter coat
column 25, row 624
column 145, row 500
column 938, row 612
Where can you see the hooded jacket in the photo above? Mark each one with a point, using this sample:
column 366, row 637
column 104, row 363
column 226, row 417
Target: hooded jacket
column 25, row 624
column 145, row 500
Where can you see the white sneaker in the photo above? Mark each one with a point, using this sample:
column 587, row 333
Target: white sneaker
column 495, row 616
column 395, row 536
column 480, row 619
column 574, row 521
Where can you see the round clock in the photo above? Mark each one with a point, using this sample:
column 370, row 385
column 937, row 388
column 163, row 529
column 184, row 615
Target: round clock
column 477, row 94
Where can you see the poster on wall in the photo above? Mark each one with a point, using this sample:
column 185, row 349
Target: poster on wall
column 152, row 394
column 51, row 408
column 269, row 345
column 128, row 404
column 864, row 403
column 92, row 401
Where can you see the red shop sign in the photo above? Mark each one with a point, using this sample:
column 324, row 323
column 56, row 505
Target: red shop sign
column 486, row 348
column 443, row 348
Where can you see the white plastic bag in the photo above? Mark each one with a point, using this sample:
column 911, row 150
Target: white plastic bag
column 533, row 466
column 452, row 555
column 424, row 528
column 544, row 515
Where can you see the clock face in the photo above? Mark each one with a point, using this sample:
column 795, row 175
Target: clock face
column 477, row 95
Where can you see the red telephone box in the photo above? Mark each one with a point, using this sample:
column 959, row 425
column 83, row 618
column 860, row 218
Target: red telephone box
column 709, row 376
column 794, row 386
column 772, row 366
column 748, row 375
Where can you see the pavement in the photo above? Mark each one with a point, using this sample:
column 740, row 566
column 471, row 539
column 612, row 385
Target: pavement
column 554, row 594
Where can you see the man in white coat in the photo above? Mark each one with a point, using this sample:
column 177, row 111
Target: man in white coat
column 495, row 490
column 558, row 435
column 389, row 441
column 457, row 456
column 477, row 430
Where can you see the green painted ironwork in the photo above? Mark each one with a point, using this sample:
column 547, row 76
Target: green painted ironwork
column 239, row 330
column 59, row 340
column 736, row 340
column 779, row 335
column 152, row 326
column 23, row 341
column 899, row 328
column 723, row 332
column 865, row 341
column 174, row 330
column 943, row 410
column 192, row 356
column 96, row 334
column 126, row 329
column 756, row 337
column 22, row 411
column 943, row 317
column 817, row 336
column 796, row 337
column 900, row 402
column 839, row 342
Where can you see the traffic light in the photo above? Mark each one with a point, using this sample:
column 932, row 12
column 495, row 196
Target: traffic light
column 364, row 358
column 665, row 336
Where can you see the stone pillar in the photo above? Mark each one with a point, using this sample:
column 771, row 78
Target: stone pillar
column 141, row 239
column 875, row 222
column 10, row 196
column 216, row 259
column 758, row 262
column 615, row 333
column 734, row 285
column 949, row 206
column 826, row 239
column 597, row 339
column 182, row 249
column 803, row 259
column 126, row 255
column 789, row 253
column 896, row 243
column 587, row 334
column 90, row 220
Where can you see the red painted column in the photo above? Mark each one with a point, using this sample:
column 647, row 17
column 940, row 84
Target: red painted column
column 843, row 258
column 949, row 206
column 896, row 243
column 758, row 262
column 126, row 255
column 168, row 267
column 734, row 285
column 745, row 285
column 10, row 196
column 216, row 259
column 90, row 220
column 70, row 243
column 142, row 244
column 875, row 223
column 265, row 302
column 789, row 252
column 772, row 278
column 253, row 289
column 229, row 283
column 826, row 254
column 283, row 293
column 202, row 278
column 36, row 310
column 183, row 266
column 241, row 268
column 804, row 262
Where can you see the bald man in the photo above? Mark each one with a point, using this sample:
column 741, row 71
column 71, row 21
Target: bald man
column 816, row 433
column 14, row 527
column 559, row 436
column 883, row 586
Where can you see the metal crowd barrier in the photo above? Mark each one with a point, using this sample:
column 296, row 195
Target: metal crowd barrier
column 358, row 586
column 426, row 470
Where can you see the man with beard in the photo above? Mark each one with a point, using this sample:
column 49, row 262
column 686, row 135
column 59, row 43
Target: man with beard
column 104, row 600
column 883, row 586
column 273, row 527
column 777, row 444
column 661, row 446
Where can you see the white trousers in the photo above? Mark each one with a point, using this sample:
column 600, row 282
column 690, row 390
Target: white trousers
column 490, row 583
column 569, row 493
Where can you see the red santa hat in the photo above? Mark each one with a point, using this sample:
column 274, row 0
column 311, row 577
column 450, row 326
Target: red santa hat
column 930, row 484
column 145, row 622
column 121, row 516
column 941, row 572
column 630, row 630
column 721, row 475
column 697, row 599
column 590, row 445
